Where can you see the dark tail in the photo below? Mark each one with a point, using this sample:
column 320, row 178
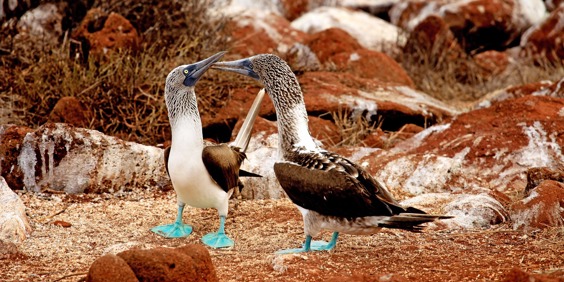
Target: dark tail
column 244, row 173
column 411, row 220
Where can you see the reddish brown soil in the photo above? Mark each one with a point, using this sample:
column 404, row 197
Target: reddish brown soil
column 104, row 223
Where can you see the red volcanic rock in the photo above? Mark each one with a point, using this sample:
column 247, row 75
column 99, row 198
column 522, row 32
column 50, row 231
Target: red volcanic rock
column 544, row 207
column 106, row 32
column 70, row 110
column 11, row 138
column 189, row 263
column 403, row 14
column 324, row 130
column 541, row 88
column 490, row 148
column 545, row 42
column 294, row 8
column 330, row 42
column 110, row 268
column 518, row 275
column 432, row 41
column 373, row 64
column 492, row 62
column 326, row 92
column 482, row 24
column 478, row 24
column 336, row 49
column 259, row 33
column 536, row 175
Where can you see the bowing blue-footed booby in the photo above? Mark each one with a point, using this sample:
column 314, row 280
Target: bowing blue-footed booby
column 202, row 176
column 331, row 192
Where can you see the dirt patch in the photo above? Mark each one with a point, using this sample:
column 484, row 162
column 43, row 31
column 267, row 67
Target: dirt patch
column 114, row 223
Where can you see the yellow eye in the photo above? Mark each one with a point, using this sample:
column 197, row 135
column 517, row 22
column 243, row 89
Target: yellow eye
column 186, row 71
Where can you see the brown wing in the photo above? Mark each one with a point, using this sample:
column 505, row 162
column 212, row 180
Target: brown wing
column 166, row 155
column 223, row 163
column 332, row 185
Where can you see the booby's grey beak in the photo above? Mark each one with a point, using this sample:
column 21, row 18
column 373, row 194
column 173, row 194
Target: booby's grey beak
column 194, row 72
column 243, row 66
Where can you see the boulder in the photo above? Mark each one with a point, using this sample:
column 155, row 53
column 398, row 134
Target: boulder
column 490, row 147
column 14, row 225
column 371, row 32
column 544, row 207
column 537, row 175
column 326, row 92
column 477, row 24
column 336, row 50
column 469, row 211
column 16, row 8
column 492, row 63
column 77, row 160
column 432, row 42
column 41, row 25
column 378, row 8
column 519, row 275
column 100, row 33
column 70, row 110
column 110, row 268
column 188, row 263
column 259, row 32
column 543, row 42
column 11, row 138
column 540, row 88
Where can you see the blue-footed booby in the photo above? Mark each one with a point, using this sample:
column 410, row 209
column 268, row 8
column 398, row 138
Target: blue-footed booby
column 331, row 192
column 202, row 176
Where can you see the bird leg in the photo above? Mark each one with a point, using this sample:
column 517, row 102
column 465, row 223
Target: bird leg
column 218, row 239
column 324, row 246
column 175, row 230
column 313, row 246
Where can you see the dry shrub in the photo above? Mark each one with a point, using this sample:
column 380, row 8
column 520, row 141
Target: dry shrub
column 125, row 92
column 353, row 127
column 450, row 76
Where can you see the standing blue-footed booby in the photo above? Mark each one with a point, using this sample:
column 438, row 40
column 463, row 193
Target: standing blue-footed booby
column 331, row 192
column 202, row 176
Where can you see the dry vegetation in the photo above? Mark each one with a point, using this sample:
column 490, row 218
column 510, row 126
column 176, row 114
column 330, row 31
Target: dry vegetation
column 125, row 91
column 454, row 77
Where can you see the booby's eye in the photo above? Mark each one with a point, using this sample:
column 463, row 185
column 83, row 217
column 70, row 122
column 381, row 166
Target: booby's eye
column 185, row 71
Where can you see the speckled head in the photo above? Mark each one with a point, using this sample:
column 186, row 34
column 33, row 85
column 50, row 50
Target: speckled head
column 179, row 88
column 277, row 77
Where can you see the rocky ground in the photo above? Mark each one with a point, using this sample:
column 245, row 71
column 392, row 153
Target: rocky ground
column 457, row 107
column 70, row 232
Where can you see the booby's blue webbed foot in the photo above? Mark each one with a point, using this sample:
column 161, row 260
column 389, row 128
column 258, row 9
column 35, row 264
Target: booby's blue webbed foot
column 313, row 245
column 218, row 239
column 176, row 229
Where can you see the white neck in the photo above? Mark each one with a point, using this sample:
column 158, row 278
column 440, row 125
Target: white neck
column 187, row 132
column 293, row 129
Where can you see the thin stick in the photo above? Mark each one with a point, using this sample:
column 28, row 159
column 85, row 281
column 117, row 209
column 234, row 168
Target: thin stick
column 71, row 275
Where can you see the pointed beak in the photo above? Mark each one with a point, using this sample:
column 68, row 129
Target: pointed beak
column 198, row 69
column 243, row 66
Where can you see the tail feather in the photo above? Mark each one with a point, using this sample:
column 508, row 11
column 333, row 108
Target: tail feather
column 411, row 221
column 243, row 138
column 244, row 173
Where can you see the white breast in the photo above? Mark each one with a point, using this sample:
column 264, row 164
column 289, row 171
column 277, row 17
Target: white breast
column 190, row 178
